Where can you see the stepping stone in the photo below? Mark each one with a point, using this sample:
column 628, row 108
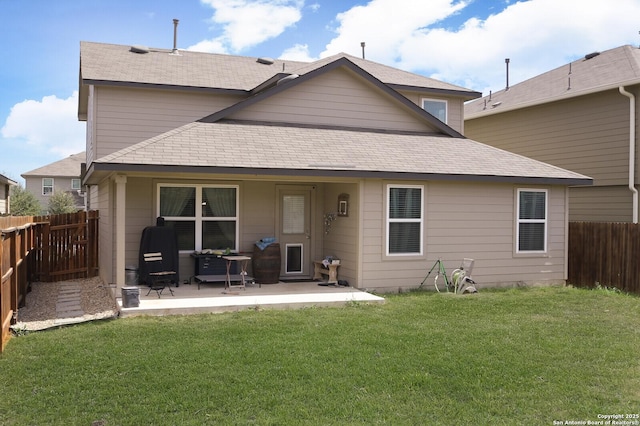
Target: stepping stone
column 70, row 314
column 69, row 303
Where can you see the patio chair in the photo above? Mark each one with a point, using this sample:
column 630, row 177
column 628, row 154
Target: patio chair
column 159, row 277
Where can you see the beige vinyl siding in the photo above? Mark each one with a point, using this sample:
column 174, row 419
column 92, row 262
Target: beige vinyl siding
column 4, row 196
column 100, row 201
column 140, row 214
column 600, row 204
column 342, row 239
column 461, row 220
column 124, row 117
column 455, row 107
column 336, row 98
column 464, row 220
column 90, row 127
column 588, row 135
column 33, row 184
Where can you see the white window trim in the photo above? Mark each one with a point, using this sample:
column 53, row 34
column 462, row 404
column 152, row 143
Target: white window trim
column 388, row 220
column 52, row 187
column 198, row 217
column 79, row 186
column 446, row 106
column 545, row 221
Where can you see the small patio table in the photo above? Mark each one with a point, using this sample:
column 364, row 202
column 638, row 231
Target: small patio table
column 242, row 277
column 243, row 271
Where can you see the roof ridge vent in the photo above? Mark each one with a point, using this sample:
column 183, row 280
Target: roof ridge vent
column 265, row 60
column 137, row 48
column 287, row 78
column 591, row 55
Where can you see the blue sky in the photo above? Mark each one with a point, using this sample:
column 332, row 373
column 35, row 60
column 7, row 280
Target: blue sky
column 462, row 42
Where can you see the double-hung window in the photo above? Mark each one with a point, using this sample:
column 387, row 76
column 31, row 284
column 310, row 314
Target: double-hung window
column 436, row 107
column 532, row 221
column 75, row 184
column 47, row 186
column 204, row 216
column 405, row 219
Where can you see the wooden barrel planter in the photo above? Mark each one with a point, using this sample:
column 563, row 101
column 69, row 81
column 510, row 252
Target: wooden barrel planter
column 266, row 264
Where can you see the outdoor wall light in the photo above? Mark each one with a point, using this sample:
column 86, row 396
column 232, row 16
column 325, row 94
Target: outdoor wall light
column 343, row 205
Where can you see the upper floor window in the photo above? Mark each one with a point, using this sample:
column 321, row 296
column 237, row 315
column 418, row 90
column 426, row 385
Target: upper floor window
column 75, row 184
column 532, row 221
column 436, row 107
column 204, row 216
column 47, row 186
column 405, row 219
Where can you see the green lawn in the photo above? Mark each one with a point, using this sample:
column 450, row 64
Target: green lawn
column 509, row 357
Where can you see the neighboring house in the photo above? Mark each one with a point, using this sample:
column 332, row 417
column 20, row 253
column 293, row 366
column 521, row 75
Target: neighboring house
column 5, row 190
column 229, row 150
column 62, row 175
column 582, row 116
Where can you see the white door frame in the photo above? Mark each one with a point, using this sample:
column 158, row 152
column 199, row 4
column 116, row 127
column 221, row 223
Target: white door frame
column 306, row 241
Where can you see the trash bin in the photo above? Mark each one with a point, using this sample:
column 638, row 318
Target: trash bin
column 130, row 297
column 131, row 275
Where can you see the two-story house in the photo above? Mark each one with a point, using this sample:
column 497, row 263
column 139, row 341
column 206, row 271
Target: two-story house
column 582, row 116
column 5, row 191
column 231, row 149
column 62, row 175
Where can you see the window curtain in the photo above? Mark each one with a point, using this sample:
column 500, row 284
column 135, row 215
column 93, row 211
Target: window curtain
column 177, row 201
column 218, row 202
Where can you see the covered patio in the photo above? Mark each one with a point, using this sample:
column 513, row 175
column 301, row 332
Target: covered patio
column 213, row 298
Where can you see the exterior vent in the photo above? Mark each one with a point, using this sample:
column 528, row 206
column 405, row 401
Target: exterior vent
column 591, row 56
column 286, row 79
column 139, row 49
column 266, row 61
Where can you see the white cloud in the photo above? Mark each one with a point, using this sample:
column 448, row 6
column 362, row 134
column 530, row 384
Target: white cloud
column 299, row 52
column 384, row 25
column 314, row 7
column 537, row 36
column 209, row 46
column 246, row 23
column 50, row 125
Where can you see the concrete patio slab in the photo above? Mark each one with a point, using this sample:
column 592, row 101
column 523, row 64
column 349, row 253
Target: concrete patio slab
column 214, row 298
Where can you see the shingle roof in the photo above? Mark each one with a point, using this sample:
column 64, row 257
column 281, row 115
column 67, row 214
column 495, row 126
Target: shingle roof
column 5, row 180
column 388, row 75
column 595, row 72
column 100, row 62
column 67, row 167
column 250, row 147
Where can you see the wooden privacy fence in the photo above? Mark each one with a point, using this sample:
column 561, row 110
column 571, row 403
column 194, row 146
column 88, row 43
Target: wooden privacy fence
column 16, row 247
column 67, row 246
column 43, row 248
column 606, row 254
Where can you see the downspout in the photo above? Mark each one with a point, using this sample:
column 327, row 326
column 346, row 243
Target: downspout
column 632, row 149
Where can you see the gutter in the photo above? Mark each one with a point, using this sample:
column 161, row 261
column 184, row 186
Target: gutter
column 632, row 149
